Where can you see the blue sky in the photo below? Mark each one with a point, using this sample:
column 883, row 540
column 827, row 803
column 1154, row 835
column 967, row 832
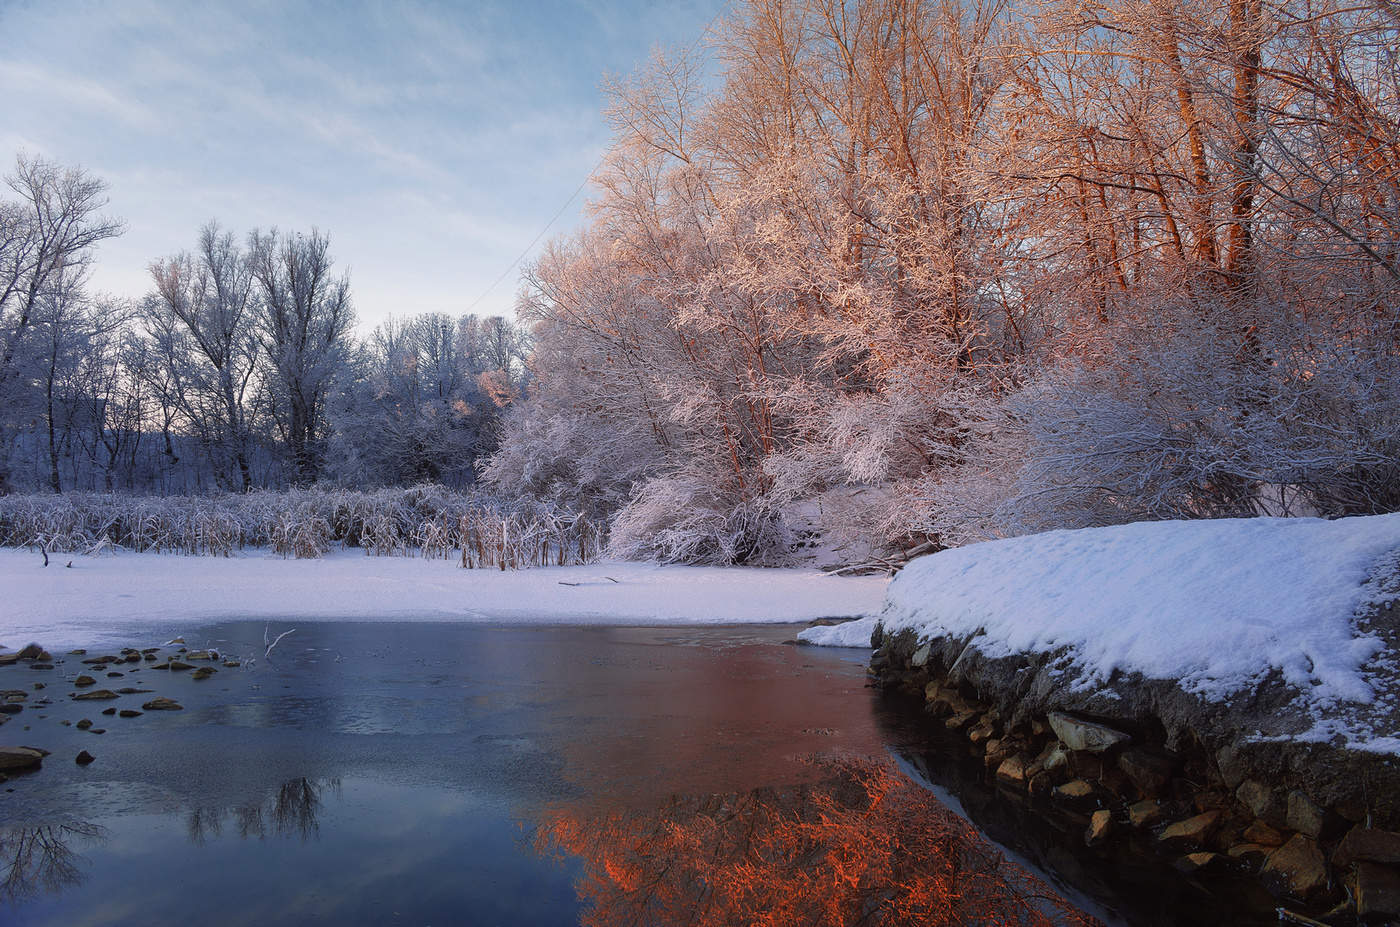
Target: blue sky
column 432, row 141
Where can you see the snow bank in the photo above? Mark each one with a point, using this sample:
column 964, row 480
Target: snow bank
column 102, row 598
column 1213, row 604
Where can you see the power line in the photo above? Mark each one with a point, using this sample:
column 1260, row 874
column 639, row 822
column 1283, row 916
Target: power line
column 534, row 241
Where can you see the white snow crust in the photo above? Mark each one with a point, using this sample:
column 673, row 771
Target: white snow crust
column 104, row 598
column 1213, row 604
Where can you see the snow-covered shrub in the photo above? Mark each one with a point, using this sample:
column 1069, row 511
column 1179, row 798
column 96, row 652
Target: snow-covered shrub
column 680, row 519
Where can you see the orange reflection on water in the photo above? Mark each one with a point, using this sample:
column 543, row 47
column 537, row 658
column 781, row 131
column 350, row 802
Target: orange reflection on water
column 861, row 845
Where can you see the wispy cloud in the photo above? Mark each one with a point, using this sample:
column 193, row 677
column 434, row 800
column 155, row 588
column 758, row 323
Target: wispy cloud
column 433, row 140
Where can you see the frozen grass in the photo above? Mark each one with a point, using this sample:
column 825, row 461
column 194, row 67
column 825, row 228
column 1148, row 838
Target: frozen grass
column 427, row 521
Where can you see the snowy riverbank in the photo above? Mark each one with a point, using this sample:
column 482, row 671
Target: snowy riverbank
column 105, row 596
column 1213, row 605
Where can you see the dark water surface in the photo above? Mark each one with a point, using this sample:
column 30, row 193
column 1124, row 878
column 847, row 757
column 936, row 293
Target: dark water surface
column 432, row 774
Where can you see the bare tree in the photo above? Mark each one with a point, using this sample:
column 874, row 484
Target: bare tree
column 48, row 230
column 304, row 319
column 201, row 317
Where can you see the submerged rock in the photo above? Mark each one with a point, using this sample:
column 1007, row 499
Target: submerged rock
column 20, row 757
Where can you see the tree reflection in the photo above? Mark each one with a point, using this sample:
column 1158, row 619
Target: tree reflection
column 291, row 810
column 863, row 845
column 40, row 858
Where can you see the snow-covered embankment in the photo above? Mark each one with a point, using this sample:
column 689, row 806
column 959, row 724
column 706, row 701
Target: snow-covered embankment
column 1232, row 687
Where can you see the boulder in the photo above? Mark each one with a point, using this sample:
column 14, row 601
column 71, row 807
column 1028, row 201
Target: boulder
column 1297, row 869
column 96, row 695
column 1262, row 834
column 1304, row 816
column 1262, row 801
column 20, row 757
column 1195, row 830
column 84, row 758
column 163, row 704
column 1088, row 736
column 84, row 681
column 1377, row 890
column 1251, row 854
column 129, row 713
column 1370, row 844
column 1144, row 813
column 1012, row 770
column 1100, row 823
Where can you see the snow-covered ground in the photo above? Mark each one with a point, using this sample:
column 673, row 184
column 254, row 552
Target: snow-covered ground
column 1213, row 604
column 104, row 598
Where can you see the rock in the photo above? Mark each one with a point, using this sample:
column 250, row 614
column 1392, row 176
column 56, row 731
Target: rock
column 84, row 681
column 1304, row 816
column 84, row 724
column 1262, row 802
column 149, row 657
column 961, row 720
column 1148, row 772
column 9, row 659
column 178, row 665
column 204, row 672
column 1056, row 758
column 100, row 661
column 1012, row 770
column 920, row 657
column 132, row 658
column 38, row 685
column 129, row 713
column 1195, row 862
column 163, row 704
column 132, row 691
column 97, row 730
column 1144, row 813
column 84, row 758
column 1366, row 843
column 232, row 663
column 1196, row 830
column 1262, row 834
column 109, row 711
column 33, row 652
column 175, row 640
column 1251, row 854
column 977, row 735
column 1040, row 785
column 1377, row 890
column 201, row 655
column 20, row 757
column 1100, row 823
column 77, row 653
column 41, row 666
column 1075, row 792
column 1297, row 869
column 11, row 708
column 115, row 675
column 94, row 696
column 1088, row 736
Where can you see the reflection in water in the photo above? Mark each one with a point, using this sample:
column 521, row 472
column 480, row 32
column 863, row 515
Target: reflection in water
column 40, row 858
column 290, row 810
column 863, row 845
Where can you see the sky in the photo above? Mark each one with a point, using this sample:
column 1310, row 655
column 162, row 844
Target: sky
column 432, row 141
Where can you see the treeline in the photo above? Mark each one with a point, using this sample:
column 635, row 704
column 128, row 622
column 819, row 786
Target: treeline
column 958, row 269
column 238, row 369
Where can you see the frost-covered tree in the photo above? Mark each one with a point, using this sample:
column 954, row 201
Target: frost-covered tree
column 304, row 317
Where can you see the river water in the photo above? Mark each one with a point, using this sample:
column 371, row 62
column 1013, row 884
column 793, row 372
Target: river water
column 432, row 774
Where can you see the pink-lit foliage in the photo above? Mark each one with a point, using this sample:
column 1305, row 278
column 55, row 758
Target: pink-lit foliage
column 1018, row 264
